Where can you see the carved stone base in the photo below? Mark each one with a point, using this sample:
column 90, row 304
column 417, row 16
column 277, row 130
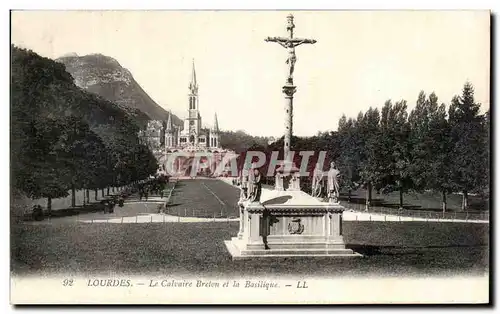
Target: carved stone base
column 289, row 223
column 239, row 250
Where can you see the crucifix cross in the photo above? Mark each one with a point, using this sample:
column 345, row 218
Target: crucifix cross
column 290, row 43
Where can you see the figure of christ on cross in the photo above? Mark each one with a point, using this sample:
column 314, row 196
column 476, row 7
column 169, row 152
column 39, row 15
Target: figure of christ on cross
column 290, row 43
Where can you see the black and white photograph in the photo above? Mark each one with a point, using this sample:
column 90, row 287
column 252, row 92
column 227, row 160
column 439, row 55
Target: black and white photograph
column 250, row 157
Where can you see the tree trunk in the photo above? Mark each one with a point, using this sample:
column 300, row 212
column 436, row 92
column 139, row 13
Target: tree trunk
column 465, row 201
column 107, row 193
column 349, row 195
column 83, row 194
column 73, row 196
column 49, row 206
column 102, row 192
column 368, row 196
column 95, row 194
column 87, row 195
column 401, row 198
column 444, row 201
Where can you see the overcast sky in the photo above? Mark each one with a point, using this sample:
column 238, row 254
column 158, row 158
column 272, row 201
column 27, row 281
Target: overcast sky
column 361, row 59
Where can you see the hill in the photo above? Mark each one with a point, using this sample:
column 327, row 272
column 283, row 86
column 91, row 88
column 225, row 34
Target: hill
column 63, row 137
column 104, row 76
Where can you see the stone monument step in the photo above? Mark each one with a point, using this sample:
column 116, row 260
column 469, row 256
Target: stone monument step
column 237, row 254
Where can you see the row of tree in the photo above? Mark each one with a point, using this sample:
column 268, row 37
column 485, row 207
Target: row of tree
column 240, row 141
column 65, row 139
column 431, row 148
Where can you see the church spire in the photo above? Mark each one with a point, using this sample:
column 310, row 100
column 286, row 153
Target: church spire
column 193, row 86
column 169, row 127
column 216, row 123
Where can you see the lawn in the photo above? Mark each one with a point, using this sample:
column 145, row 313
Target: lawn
column 21, row 205
column 133, row 206
column 204, row 198
column 189, row 249
column 429, row 201
column 426, row 201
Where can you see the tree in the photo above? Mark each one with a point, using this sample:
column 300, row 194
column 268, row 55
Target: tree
column 396, row 149
column 439, row 173
column 146, row 164
column 372, row 162
column 350, row 150
column 240, row 141
column 96, row 163
column 467, row 136
column 75, row 148
column 421, row 142
column 486, row 152
column 431, row 147
column 44, row 173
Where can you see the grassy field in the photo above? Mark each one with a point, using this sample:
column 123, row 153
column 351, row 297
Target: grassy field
column 204, row 198
column 23, row 205
column 133, row 206
column 429, row 201
column 390, row 249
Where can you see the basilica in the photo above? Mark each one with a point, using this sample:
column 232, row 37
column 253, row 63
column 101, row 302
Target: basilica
column 164, row 137
column 191, row 136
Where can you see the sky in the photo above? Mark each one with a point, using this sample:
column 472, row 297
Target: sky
column 361, row 59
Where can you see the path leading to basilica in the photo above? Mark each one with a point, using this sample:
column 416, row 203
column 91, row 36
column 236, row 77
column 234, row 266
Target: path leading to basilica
column 198, row 200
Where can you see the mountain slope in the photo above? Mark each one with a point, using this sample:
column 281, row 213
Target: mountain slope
column 104, row 76
column 43, row 92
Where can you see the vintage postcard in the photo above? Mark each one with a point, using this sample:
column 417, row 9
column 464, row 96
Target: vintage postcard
column 250, row 157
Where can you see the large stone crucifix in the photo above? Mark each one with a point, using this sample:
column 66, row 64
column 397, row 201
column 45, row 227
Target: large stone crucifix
column 289, row 43
column 289, row 89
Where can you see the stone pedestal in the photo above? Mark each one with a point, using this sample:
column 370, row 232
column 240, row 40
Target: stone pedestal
column 287, row 174
column 289, row 224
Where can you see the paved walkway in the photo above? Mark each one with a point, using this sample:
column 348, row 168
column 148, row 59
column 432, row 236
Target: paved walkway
column 156, row 218
column 350, row 215
column 199, row 200
column 364, row 216
column 161, row 218
column 206, row 200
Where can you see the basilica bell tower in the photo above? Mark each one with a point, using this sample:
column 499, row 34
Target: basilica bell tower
column 194, row 118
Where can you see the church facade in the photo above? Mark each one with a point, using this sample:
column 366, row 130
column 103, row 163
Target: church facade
column 164, row 137
column 191, row 136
